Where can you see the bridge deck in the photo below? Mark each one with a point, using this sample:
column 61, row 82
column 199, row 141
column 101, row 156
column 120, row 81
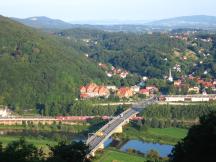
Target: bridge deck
column 95, row 141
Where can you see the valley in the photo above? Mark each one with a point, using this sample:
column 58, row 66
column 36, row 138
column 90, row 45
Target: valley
column 143, row 89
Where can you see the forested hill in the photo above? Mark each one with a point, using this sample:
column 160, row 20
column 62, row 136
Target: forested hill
column 146, row 54
column 151, row 54
column 38, row 69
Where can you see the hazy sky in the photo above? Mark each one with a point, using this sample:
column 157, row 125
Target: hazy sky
column 75, row 10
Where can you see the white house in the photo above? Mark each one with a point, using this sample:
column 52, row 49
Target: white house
column 4, row 112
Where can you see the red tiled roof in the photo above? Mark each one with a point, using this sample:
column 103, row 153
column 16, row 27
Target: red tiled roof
column 84, row 95
column 125, row 92
column 144, row 91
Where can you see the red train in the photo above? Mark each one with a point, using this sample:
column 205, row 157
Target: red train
column 74, row 118
column 85, row 118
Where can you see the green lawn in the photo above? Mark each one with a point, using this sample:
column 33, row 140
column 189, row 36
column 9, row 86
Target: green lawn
column 161, row 135
column 48, row 128
column 117, row 156
column 177, row 133
column 36, row 141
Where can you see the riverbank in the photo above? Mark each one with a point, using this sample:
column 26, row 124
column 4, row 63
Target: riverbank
column 160, row 135
column 37, row 141
column 42, row 135
column 48, row 128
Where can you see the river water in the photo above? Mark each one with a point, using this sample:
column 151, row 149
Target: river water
column 144, row 147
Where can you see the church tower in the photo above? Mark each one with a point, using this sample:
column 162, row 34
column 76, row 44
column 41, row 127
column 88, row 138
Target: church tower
column 170, row 76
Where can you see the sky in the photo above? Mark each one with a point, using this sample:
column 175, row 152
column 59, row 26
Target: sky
column 82, row 10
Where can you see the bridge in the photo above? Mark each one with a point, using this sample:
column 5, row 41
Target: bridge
column 96, row 141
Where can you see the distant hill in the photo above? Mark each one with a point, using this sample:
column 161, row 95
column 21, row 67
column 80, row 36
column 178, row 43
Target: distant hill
column 148, row 54
column 187, row 21
column 197, row 21
column 44, row 22
column 39, row 69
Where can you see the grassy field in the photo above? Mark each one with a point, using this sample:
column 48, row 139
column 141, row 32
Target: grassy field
column 117, row 156
column 36, row 141
column 161, row 135
column 177, row 133
column 48, row 128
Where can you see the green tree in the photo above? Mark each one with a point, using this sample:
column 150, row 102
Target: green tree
column 152, row 154
column 74, row 152
column 21, row 151
column 200, row 143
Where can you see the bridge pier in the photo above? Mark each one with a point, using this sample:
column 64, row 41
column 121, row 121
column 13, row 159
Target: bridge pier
column 118, row 130
column 101, row 146
column 92, row 154
column 96, row 142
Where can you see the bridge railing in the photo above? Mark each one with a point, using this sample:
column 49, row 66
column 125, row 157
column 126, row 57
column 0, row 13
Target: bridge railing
column 149, row 101
column 111, row 132
column 102, row 128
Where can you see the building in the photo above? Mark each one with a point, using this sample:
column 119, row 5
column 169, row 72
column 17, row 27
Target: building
column 5, row 112
column 135, row 89
column 194, row 89
column 90, row 87
column 208, row 84
column 144, row 91
column 112, row 87
column 170, row 78
column 124, row 92
column 152, row 89
column 103, row 91
column 188, row 98
column 93, row 90
column 177, row 83
column 83, row 89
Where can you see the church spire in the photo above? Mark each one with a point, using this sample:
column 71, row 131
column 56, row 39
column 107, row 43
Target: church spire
column 170, row 76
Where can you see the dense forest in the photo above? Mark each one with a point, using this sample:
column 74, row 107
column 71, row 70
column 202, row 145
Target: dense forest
column 139, row 53
column 176, row 115
column 147, row 54
column 39, row 69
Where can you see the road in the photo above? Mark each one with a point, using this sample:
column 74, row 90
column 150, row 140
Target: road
column 95, row 141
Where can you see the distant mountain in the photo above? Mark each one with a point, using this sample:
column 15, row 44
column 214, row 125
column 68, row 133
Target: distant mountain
column 44, row 22
column 197, row 21
column 111, row 22
column 113, row 26
column 187, row 21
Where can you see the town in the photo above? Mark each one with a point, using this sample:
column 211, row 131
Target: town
column 108, row 81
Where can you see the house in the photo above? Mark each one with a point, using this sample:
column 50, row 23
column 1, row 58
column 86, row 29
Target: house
column 145, row 78
column 194, row 89
column 208, row 84
column 85, row 96
column 109, row 74
column 5, row 112
column 103, row 66
column 144, row 91
column 152, row 89
column 103, row 91
column 123, row 74
column 124, row 92
column 93, row 90
column 82, row 89
column 177, row 83
column 204, row 92
column 113, row 88
column 135, row 88
column 90, row 87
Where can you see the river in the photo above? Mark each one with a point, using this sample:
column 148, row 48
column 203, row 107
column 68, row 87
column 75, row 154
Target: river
column 144, row 147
